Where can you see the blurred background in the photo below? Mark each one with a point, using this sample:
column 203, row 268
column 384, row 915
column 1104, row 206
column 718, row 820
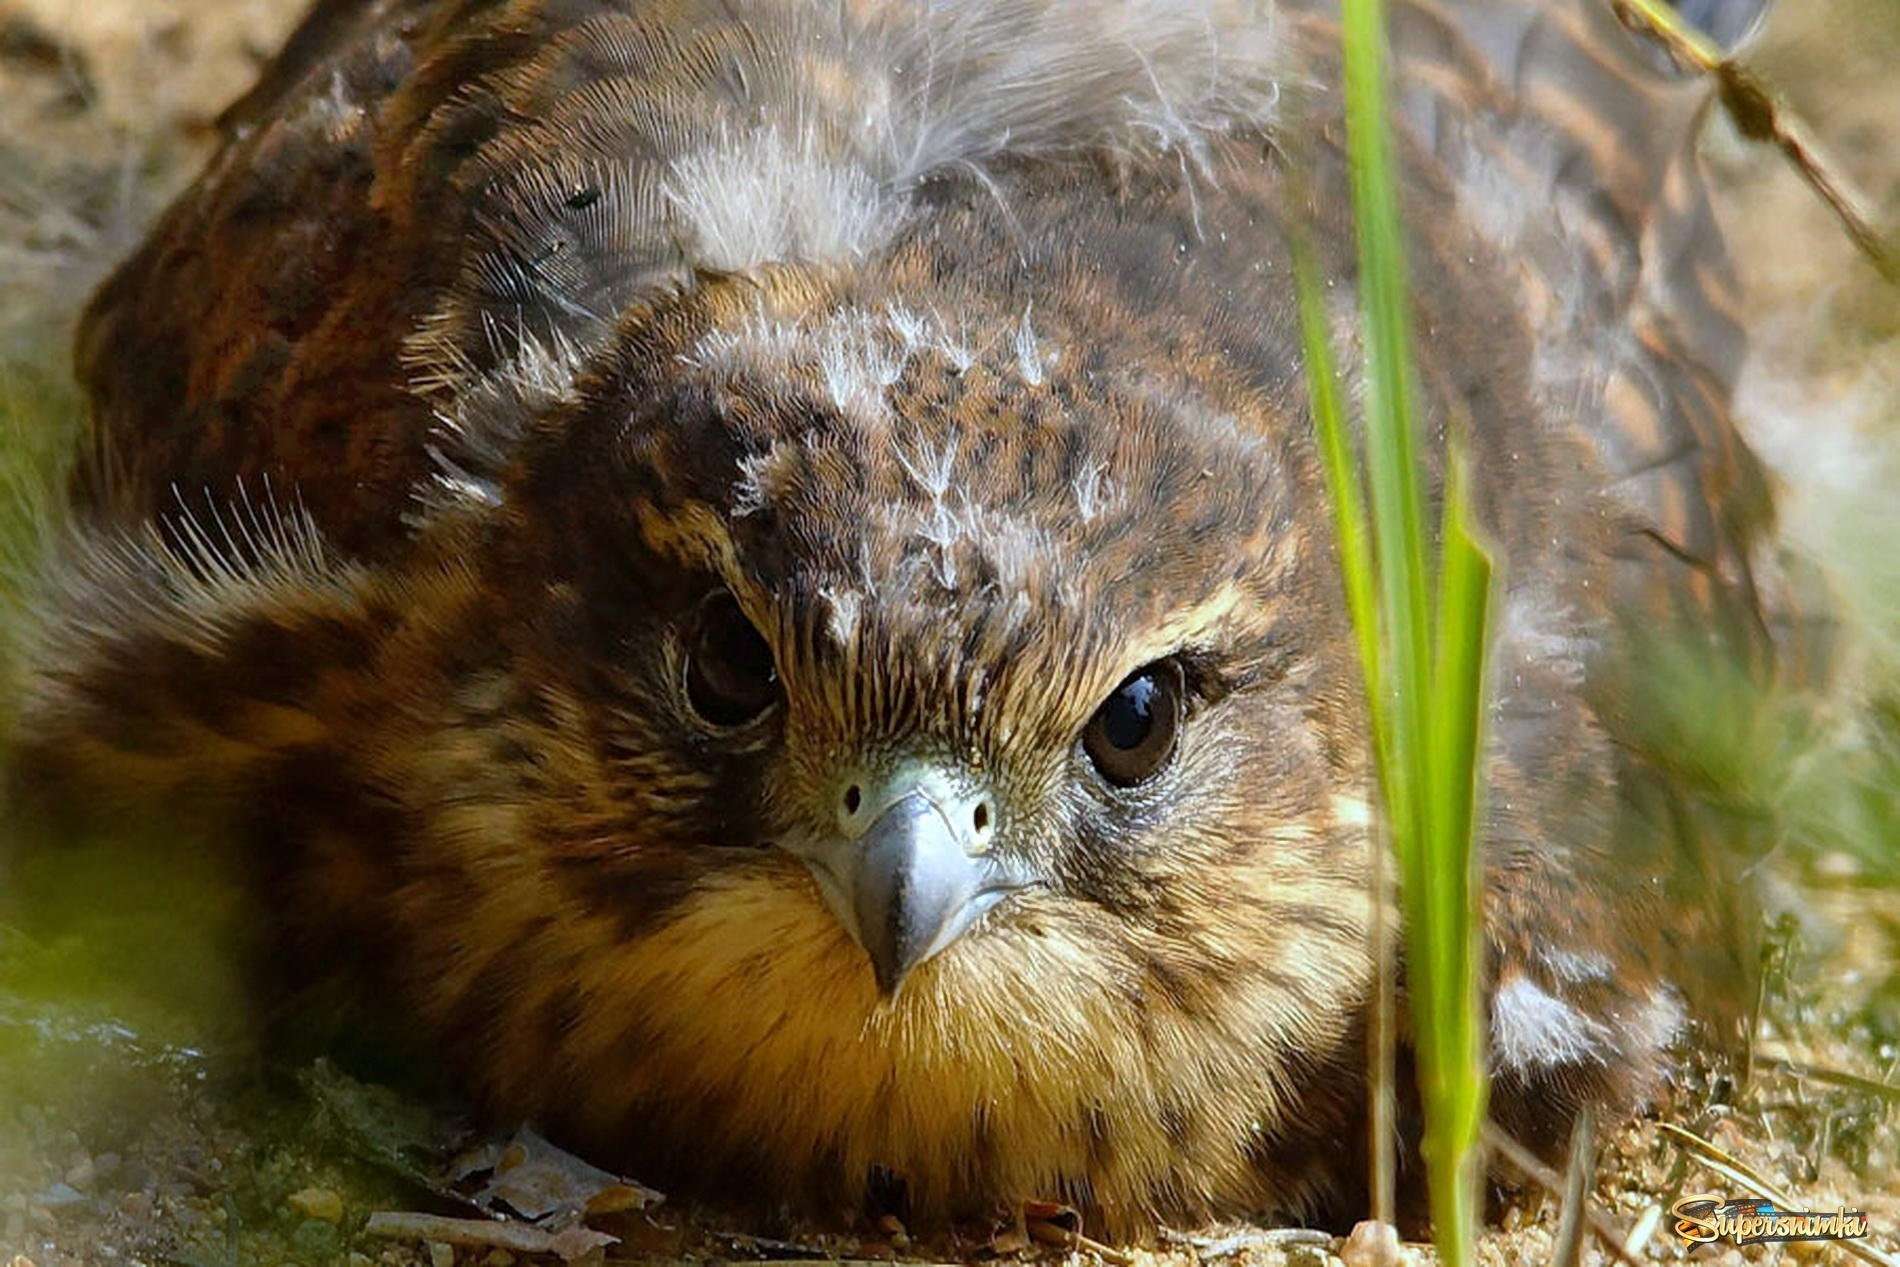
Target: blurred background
column 136, row 1124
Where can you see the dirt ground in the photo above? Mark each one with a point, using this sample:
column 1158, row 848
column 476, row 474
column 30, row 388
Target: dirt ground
column 138, row 1131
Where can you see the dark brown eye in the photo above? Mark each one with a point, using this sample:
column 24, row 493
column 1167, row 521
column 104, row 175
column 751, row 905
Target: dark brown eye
column 730, row 677
column 1132, row 734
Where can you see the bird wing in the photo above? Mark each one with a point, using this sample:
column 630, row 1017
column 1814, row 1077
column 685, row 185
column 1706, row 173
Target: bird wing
column 1571, row 139
column 329, row 28
column 1573, row 145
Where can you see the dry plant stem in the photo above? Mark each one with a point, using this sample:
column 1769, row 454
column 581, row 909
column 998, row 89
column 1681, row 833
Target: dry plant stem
column 1753, row 1035
column 1356, row 573
column 1679, row 1168
column 1525, row 1162
column 1383, row 1093
column 1760, row 117
column 1645, row 1228
column 470, row 1233
column 1577, row 1177
column 1107, row 1253
column 1741, row 91
column 1737, row 1171
column 521, row 1238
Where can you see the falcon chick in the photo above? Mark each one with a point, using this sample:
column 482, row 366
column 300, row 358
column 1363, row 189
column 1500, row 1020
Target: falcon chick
column 759, row 569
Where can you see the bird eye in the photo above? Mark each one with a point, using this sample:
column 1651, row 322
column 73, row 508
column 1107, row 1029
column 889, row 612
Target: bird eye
column 1132, row 734
column 730, row 676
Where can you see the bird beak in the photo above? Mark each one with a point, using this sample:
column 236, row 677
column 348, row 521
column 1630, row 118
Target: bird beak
column 910, row 869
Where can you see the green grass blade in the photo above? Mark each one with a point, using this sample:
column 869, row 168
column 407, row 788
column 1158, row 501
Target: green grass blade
column 1341, row 468
column 1431, row 676
column 1451, row 1058
column 1390, row 451
column 1455, row 718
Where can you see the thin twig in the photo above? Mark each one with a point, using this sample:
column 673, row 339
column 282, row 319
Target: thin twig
column 1753, row 1035
column 1209, row 1248
column 1582, row 1168
column 1737, row 1171
column 1606, row 1232
column 1835, row 1077
column 521, row 1238
column 1759, row 116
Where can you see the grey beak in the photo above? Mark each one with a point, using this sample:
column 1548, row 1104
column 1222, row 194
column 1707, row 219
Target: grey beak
column 916, row 891
column 910, row 871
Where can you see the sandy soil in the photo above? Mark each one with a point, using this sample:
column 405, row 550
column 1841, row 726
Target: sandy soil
column 131, row 1135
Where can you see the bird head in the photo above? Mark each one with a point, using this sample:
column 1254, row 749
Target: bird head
column 998, row 620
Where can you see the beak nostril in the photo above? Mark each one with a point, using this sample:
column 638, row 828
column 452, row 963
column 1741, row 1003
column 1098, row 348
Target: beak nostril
column 853, row 799
column 982, row 816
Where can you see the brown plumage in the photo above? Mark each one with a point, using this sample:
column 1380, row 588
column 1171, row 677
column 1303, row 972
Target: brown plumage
column 761, row 569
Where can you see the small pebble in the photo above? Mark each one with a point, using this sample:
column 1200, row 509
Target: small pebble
column 441, row 1254
column 498, row 1257
column 61, row 1194
column 315, row 1241
column 359, row 1259
column 1371, row 1244
column 82, row 1174
column 1836, row 865
column 317, row 1203
column 136, row 1205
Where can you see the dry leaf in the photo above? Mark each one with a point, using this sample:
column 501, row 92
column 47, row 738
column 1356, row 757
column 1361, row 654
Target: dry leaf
column 534, row 1179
